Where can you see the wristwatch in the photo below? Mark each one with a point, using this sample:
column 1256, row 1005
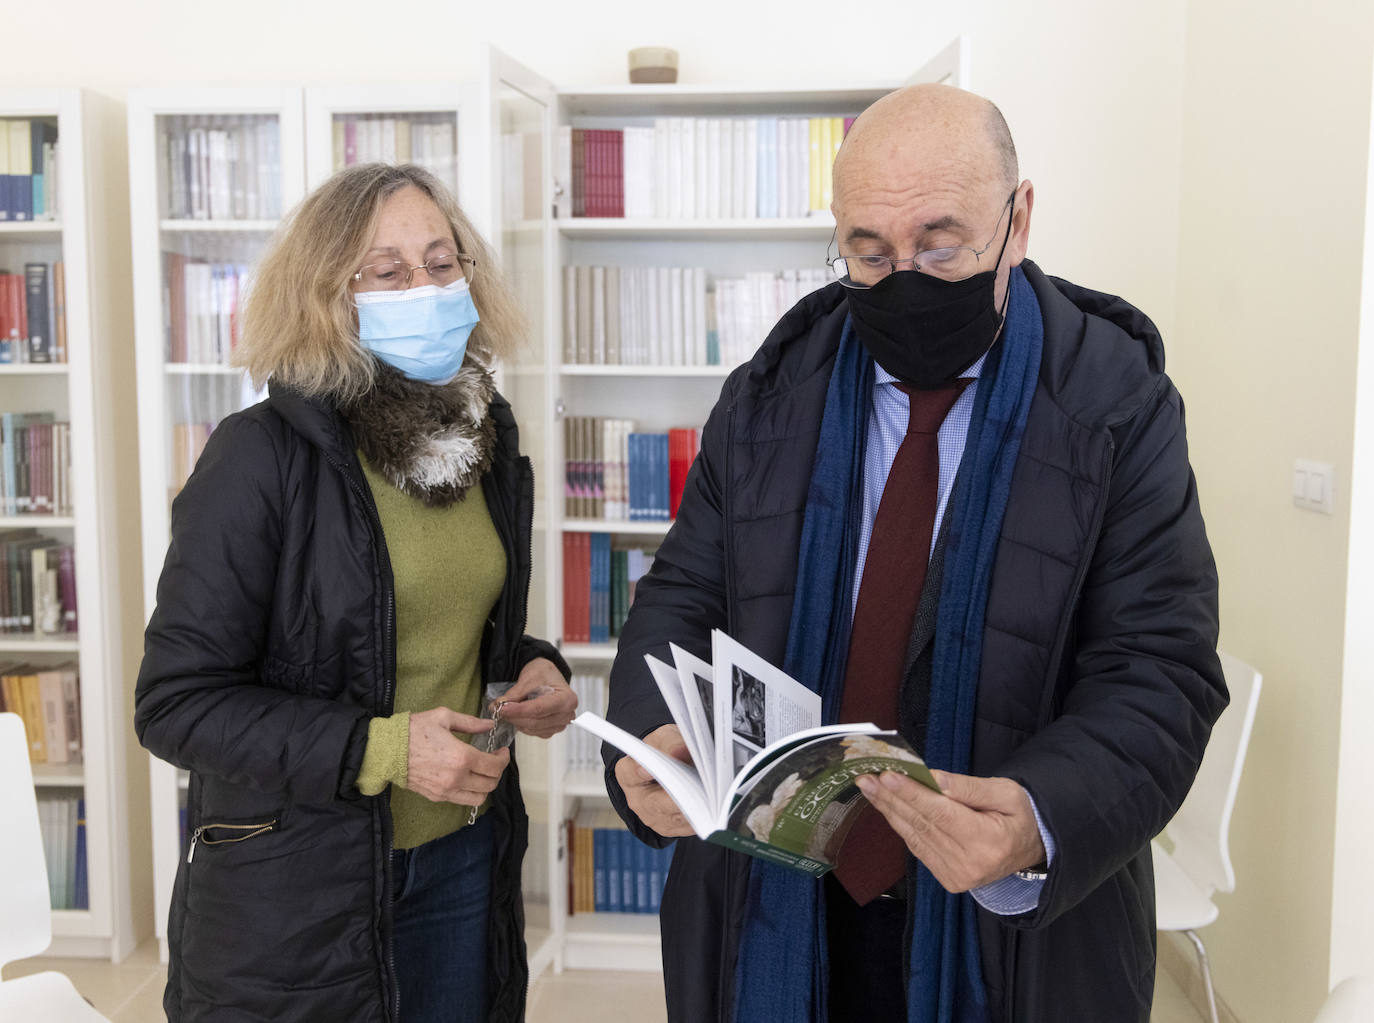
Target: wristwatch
column 1039, row 872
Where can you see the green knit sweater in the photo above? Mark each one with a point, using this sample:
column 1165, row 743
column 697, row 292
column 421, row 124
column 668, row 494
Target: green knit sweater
column 449, row 567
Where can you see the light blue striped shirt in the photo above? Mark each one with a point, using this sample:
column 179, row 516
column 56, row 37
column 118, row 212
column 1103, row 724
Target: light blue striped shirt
column 887, row 421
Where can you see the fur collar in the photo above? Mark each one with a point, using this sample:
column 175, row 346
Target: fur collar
column 430, row 441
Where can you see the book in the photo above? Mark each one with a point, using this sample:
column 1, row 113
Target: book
column 765, row 778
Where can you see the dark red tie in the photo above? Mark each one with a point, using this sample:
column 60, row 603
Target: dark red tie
column 873, row 857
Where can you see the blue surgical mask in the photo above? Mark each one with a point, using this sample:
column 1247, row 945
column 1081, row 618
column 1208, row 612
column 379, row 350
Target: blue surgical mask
column 423, row 332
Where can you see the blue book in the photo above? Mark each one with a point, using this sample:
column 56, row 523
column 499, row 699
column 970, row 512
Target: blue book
column 81, row 898
column 615, row 902
column 599, row 896
column 662, row 499
column 626, row 843
column 601, row 590
column 658, row 869
column 635, row 470
column 643, row 855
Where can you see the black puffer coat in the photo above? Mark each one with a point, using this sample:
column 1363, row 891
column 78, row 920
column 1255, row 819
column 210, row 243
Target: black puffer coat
column 272, row 645
column 1099, row 680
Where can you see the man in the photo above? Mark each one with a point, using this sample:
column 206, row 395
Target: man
column 953, row 495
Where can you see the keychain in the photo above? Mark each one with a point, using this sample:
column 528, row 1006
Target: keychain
column 502, row 732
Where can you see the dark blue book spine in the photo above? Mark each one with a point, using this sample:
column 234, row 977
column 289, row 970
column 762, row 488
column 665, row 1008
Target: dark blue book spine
column 599, row 870
column 81, row 898
column 642, row 857
column 614, row 902
column 39, row 329
column 627, row 870
column 663, row 501
column 636, row 474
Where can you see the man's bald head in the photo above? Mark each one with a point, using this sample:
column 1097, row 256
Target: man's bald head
column 936, row 127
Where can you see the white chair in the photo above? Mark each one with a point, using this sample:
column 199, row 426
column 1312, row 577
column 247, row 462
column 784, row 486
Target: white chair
column 24, row 900
column 1200, row 864
column 1350, row 1001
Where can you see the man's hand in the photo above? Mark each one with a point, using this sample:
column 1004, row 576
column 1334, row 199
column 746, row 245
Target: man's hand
column 978, row 831
column 646, row 796
column 547, row 714
column 445, row 769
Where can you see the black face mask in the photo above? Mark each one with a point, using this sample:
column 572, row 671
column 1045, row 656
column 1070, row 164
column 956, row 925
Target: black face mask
column 925, row 331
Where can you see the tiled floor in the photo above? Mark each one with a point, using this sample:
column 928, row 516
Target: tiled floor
column 132, row 992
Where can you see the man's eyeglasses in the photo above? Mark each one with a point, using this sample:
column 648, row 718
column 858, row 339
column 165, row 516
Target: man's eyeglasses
column 952, row 263
column 396, row 274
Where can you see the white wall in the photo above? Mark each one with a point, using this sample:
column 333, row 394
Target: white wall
column 1275, row 152
column 1352, row 903
column 1098, row 126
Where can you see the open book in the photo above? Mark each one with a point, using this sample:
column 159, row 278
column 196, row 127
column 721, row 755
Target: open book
column 766, row 777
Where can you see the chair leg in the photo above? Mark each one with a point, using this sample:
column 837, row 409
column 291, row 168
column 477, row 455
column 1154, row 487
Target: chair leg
column 1206, row 973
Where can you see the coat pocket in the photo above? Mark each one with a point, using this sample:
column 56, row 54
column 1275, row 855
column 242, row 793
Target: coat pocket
column 222, row 832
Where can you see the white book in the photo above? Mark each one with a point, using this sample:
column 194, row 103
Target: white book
column 764, row 777
column 661, row 197
column 727, row 168
column 699, row 301
column 599, row 315
column 739, row 169
column 386, row 137
column 689, row 310
column 751, row 168
column 649, row 309
column 446, row 154
column 665, row 316
column 701, row 129
column 716, row 154
column 249, row 158
column 610, row 481
column 679, row 354
column 688, row 164
column 562, row 202
column 675, row 182
column 569, row 314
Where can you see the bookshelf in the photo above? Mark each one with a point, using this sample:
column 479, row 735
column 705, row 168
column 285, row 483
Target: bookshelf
column 194, row 234
column 545, row 387
column 88, row 391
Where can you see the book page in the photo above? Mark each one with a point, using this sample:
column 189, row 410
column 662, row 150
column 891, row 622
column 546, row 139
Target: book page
column 697, row 679
column 756, row 705
column 675, row 695
column 805, row 801
column 679, row 780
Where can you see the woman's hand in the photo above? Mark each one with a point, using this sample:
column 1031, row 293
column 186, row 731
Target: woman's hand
column 547, row 714
column 445, row 769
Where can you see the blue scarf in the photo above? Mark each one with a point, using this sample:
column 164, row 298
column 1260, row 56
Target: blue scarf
column 780, row 976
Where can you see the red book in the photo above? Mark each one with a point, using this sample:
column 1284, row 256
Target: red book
column 568, row 569
column 679, row 445
column 596, row 175
column 617, row 175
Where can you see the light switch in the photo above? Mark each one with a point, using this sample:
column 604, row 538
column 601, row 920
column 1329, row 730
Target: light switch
column 1314, row 485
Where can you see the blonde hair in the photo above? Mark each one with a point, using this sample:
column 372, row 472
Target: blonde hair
column 300, row 325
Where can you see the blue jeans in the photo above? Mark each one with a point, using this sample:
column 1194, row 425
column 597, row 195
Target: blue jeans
column 442, row 893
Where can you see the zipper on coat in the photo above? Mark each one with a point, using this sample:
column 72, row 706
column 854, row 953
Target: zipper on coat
column 248, row 831
column 388, row 704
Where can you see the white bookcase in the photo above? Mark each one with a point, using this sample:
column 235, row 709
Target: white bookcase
column 543, row 388
column 87, row 390
column 185, row 386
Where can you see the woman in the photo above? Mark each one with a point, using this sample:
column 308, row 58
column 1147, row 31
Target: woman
column 349, row 565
